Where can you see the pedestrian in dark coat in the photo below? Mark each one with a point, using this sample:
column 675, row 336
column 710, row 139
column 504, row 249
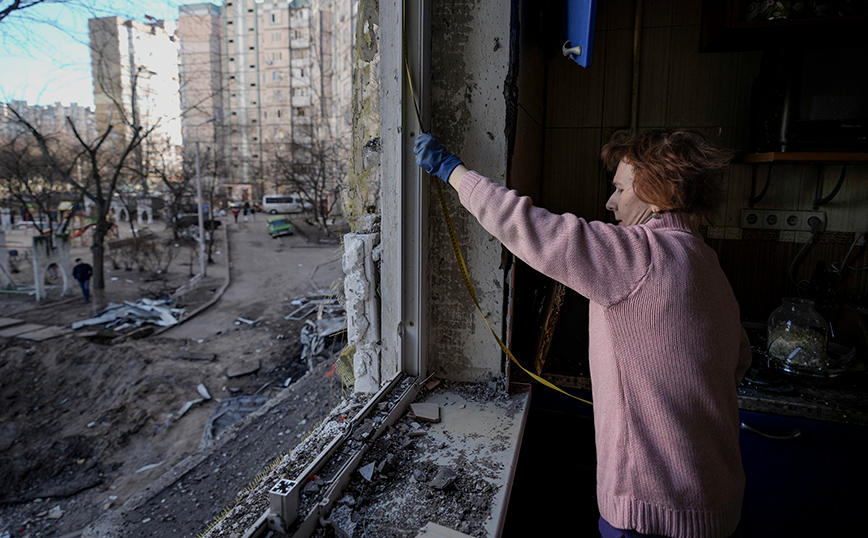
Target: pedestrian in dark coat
column 82, row 272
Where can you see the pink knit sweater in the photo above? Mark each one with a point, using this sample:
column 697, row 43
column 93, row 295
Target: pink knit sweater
column 666, row 353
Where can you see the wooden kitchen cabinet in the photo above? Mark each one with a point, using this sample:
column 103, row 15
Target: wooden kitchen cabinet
column 810, row 484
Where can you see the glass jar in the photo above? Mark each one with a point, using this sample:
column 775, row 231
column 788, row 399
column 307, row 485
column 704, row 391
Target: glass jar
column 797, row 337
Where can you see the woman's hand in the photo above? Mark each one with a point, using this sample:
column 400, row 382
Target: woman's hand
column 432, row 157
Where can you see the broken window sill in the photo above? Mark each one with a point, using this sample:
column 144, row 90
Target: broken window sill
column 394, row 473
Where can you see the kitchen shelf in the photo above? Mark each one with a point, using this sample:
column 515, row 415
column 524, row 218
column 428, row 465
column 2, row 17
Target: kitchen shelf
column 803, row 158
column 821, row 159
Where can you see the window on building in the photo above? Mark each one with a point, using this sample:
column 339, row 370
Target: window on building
column 275, row 37
column 274, row 75
column 275, row 18
column 278, row 112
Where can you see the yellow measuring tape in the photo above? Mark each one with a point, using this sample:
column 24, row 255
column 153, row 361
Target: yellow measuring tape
column 465, row 274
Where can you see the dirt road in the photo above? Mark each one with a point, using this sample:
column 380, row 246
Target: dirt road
column 266, row 275
column 86, row 425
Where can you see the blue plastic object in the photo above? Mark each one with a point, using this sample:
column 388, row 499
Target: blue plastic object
column 581, row 16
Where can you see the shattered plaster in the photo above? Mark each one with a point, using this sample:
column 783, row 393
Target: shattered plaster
column 469, row 117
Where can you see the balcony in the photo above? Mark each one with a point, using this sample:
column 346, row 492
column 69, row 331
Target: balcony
column 300, row 82
column 300, row 63
column 300, row 101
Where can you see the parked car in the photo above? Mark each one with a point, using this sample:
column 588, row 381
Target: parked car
column 279, row 225
column 185, row 221
column 284, row 203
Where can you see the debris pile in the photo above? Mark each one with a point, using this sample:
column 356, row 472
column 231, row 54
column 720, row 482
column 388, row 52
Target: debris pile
column 135, row 314
column 331, row 321
column 325, row 304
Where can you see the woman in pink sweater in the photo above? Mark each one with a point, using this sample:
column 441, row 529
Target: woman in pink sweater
column 667, row 350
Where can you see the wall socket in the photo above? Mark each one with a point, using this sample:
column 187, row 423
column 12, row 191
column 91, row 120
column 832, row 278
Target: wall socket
column 774, row 219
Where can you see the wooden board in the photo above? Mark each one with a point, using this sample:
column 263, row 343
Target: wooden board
column 551, row 311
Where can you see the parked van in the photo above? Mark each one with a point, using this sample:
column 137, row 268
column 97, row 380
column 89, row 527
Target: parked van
column 284, row 203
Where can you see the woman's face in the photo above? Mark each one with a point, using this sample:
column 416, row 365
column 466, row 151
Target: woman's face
column 627, row 207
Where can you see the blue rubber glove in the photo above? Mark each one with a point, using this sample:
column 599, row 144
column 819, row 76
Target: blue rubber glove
column 433, row 157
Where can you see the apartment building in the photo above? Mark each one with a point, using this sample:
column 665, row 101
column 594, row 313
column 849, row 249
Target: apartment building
column 200, row 35
column 136, row 83
column 51, row 119
column 283, row 60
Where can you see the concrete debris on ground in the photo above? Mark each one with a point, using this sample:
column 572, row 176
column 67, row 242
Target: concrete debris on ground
column 426, row 411
column 230, row 411
column 314, row 334
column 135, row 314
column 242, row 368
column 325, row 304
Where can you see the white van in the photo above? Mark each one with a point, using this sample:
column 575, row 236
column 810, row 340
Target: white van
column 284, row 203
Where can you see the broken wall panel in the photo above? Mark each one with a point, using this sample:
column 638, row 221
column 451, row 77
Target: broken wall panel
column 470, row 55
column 363, row 308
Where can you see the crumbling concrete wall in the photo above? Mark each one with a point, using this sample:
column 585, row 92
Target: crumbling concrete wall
column 145, row 211
column 362, row 195
column 48, row 251
column 362, row 207
column 470, row 64
column 361, row 277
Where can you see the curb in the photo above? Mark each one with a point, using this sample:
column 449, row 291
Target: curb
column 217, row 296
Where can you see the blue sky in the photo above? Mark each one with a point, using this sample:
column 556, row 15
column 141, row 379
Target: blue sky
column 44, row 55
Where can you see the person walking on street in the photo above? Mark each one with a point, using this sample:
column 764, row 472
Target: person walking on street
column 235, row 214
column 82, row 272
column 246, row 210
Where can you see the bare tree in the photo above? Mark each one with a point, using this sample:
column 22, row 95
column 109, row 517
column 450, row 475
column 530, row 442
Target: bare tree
column 314, row 170
column 106, row 166
column 315, row 162
column 16, row 6
column 29, row 179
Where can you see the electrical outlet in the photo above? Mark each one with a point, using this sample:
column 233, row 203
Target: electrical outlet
column 774, row 219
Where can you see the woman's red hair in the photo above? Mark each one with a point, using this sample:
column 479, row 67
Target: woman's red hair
column 673, row 169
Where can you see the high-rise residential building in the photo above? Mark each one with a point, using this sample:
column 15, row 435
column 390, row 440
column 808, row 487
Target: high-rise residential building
column 51, row 120
column 200, row 32
column 345, row 12
column 136, row 85
column 284, row 60
column 260, row 35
